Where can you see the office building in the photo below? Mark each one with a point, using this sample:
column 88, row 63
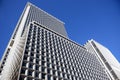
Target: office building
column 39, row 49
column 110, row 63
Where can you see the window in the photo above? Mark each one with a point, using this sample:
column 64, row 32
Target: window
column 48, row 77
column 43, row 69
column 43, row 75
column 30, row 73
column 37, row 61
column 37, row 74
column 37, row 55
column 24, row 64
column 22, row 77
column 23, row 71
column 25, row 57
column 30, row 65
column 31, row 59
column 37, row 67
column 48, row 71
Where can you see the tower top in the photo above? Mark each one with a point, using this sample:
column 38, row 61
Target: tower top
column 28, row 3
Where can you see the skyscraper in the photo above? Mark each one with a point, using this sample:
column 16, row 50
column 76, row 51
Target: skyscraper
column 39, row 49
column 110, row 63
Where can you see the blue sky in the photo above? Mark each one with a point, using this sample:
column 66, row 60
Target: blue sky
column 84, row 19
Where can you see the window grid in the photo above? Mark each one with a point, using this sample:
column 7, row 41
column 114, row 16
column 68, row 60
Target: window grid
column 51, row 57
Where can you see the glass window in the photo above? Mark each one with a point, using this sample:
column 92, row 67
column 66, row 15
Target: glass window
column 43, row 75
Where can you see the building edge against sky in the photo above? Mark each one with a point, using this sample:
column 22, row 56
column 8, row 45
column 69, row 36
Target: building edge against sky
column 16, row 44
column 16, row 47
column 105, row 57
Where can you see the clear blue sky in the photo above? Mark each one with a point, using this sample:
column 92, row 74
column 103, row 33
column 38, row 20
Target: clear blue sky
column 84, row 19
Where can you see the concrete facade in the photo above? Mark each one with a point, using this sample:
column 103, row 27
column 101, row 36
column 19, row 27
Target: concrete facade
column 105, row 57
column 39, row 49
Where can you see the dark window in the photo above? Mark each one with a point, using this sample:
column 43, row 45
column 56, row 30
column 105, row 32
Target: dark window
column 24, row 64
column 37, row 55
column 37, row 67
column 49, row 77
column 31, row 59
column 23, row 71
column 48, row 71
column 25, row 57
column 22, row 77
column 29, row 78
column 30, row 65
column 37, row 74
column 43, row 75
column 43, row 69
column 53, row 72
column 37, row 61
column 30, row 73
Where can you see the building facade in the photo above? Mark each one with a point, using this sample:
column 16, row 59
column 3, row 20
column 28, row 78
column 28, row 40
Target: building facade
column 110, row 63
column 39, row 49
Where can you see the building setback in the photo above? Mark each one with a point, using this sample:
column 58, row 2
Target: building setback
column 39, row 49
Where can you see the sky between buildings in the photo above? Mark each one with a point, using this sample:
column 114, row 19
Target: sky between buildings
column 84, row 20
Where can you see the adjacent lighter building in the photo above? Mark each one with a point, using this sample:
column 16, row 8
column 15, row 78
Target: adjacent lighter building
column 110, row 63
column 39, row 49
